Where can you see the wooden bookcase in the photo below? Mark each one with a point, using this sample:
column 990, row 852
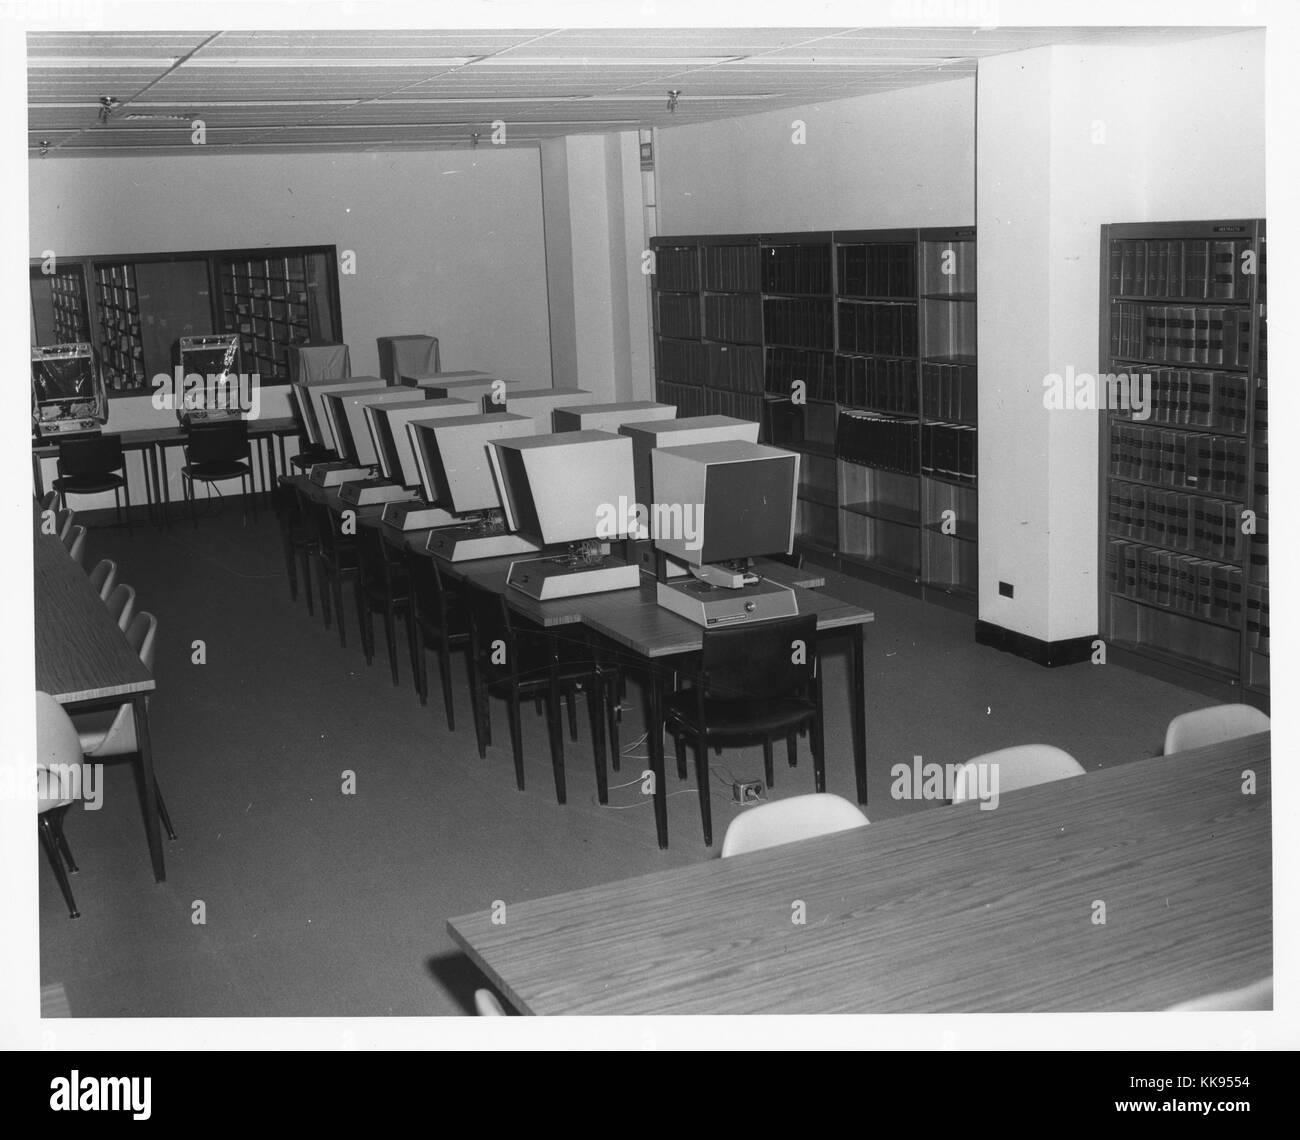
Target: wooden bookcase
column 862, row 344
column 1183, row 545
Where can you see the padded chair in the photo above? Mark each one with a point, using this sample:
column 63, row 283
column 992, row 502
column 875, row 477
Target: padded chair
column 56, row 748
column 121, row 605
column 523, row 662
column 76, row 544
column 215, row 453
column 110, row 734
column 103, row 577
column 1257, row 995
column 337, row 561
column 93, row 466
column 50, row 501
column 486, row 1004
column 1213, row 726
column 788, row 820
column 749, row 684
column 1020, row 767
column 63, row 523
column 383, row 587
column 442, row 622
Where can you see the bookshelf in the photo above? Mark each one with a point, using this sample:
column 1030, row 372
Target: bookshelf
column 71, row 311
column 1183, row 581
column 121, row 349
column 269, row 302
column 864, row 343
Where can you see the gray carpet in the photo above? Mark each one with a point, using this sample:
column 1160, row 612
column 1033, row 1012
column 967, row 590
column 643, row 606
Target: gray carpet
column 319, row 903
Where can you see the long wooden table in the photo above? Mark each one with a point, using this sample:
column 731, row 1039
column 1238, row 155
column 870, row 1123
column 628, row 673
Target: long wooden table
column 84, row 662
column 953, row 908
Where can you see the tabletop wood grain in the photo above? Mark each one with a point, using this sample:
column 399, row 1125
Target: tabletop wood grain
column 81, row 655
column 950, row 909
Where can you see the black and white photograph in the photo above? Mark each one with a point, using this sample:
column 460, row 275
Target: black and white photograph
column 673, row 518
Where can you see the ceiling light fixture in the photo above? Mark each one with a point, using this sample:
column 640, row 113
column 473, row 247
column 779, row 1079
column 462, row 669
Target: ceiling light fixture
column 107, row 105
column 45, row 147
column 673, row 95
column 473, row 138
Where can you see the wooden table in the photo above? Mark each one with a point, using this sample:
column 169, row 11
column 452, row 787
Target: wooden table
column 953, row 909
column 84, row 662
column 263, row 432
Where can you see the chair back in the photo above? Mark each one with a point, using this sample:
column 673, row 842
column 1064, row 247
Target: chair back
column 1213, row 726
column 788, row 820
column 63, row 522
column 438, row 604
column 121, row 604
column 50, row 500
column 103, row 577
column 94, row 455
column 761, row 661
column 140, row 636
column 58, row 747
column 76, row 544
column 325, row 524
column 1020, row 767
column 487, row 1005
column 218, row 443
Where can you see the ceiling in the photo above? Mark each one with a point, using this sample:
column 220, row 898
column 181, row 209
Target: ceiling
column 295, row 91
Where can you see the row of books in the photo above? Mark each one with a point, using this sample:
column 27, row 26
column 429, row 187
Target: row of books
column 1209, row 528
column 798, row 324
column 677, row 269
column 1261, row 415
column 1187, row 334
column 949, row 391
column 736, row 317
column 816, row 369
column 1213, row 591
column 797, row 269
column 1260, row 501
column 885, row 383
column 1211, row 464
column 731, row 268
column 735, row 368
column 878, row 441
column 1196, row 398
column 1257, row 618
column 881, row 328
column 695, row 401
column 1258, row 551
column 679, row 314
column 1180, row 267
column 681, row 361
column 884, row 269
column 948, row 451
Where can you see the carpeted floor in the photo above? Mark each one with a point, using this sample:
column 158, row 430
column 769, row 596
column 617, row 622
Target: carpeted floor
column 316, row 902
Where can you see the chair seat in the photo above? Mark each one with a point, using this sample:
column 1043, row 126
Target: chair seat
column 89, row 484
column 93, row 729
column 217, row 469
column 740, row 718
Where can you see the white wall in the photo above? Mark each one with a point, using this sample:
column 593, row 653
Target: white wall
column 902, row 158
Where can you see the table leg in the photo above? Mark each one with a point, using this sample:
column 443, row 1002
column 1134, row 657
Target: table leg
column 858, row 704
column 165, row 505
column 151, row 829
column 655, row 724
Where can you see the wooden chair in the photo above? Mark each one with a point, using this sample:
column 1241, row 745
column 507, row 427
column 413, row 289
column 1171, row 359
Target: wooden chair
column 383, row 587
column 750, row 682
column 1213, row 725
column 216, row 453
column 788, row 820
column 441, row 621
column 58, row 760
column 297, row 537
column 336, row 562
column 1020, row 767
column 93, row 466
column 524, row 662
